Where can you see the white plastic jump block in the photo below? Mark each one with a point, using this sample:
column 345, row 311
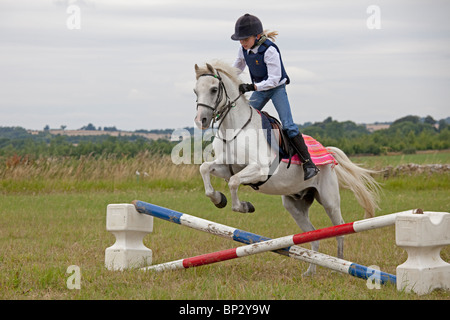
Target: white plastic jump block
column 423, row 236
column 129, row 227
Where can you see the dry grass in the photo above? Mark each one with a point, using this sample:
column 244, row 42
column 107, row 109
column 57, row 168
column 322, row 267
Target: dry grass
column 19, row 174
column 95, row 168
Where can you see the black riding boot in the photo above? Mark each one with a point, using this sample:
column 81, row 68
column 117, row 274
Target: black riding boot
column 309, row 168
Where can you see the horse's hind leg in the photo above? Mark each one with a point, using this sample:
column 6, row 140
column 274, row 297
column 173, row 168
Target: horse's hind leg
column 299, row 209
column 328, row 196
column 334, row 212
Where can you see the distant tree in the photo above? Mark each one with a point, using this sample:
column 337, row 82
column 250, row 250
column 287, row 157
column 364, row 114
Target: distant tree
column 442, row 124
column 110, row 128
column 413, row 119
column 430, row 120
column 328, row 120
column 90, row 126
column 63, row 127
column 306, row 124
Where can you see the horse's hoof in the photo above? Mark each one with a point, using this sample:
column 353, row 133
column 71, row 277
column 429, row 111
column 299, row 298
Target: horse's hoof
column 250, row 208
column 223, row 201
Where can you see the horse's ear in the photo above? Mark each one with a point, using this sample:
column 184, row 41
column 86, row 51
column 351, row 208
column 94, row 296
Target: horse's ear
column 210, row 68
column 197, row 71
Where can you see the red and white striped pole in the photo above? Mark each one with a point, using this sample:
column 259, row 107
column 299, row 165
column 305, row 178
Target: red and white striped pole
column 278, row 243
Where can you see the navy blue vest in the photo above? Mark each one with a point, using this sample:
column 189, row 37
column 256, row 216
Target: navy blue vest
column 257, row 66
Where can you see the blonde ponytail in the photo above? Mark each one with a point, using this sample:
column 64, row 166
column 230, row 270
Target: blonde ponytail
column 270, row 34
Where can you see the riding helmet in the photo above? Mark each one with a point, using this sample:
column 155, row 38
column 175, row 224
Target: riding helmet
column 247, row 26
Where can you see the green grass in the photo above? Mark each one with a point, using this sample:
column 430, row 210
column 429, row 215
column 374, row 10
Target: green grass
column 42, row 235
column 46, row 225
column 380, row 162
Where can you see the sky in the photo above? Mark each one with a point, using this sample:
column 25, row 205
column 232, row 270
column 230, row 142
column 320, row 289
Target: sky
column 130, row 63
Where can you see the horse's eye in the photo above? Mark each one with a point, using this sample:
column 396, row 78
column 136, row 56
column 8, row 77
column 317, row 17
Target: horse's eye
column 214, row 90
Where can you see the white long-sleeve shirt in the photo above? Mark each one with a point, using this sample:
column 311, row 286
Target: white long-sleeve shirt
column 273, row 62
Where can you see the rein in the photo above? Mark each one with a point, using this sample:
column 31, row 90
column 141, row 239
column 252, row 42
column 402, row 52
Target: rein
column 221, row 114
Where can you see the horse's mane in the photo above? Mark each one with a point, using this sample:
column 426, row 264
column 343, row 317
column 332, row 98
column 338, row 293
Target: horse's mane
column 222, row 67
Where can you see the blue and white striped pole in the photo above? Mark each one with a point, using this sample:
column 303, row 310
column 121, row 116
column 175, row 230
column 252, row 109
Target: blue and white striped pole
column 242, row 236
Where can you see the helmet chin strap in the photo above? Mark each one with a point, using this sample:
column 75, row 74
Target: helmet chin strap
column 259, row 42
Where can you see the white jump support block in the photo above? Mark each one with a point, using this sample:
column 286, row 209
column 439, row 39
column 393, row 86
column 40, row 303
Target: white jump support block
column 129, row 227
column 423, row 236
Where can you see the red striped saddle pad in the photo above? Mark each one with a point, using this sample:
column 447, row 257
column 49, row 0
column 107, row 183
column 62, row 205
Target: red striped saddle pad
column 319, row 154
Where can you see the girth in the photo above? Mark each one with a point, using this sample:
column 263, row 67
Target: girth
column 285, row 149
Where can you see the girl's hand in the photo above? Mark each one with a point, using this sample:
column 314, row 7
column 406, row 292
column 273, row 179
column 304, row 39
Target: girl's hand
column 246, row 87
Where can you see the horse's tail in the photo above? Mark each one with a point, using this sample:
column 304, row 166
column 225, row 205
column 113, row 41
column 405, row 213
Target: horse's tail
column 350, row 176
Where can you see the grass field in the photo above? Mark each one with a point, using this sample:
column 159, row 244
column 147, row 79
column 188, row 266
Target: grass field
column 53, row 215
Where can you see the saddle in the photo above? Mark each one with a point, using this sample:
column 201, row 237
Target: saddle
column 285, row 149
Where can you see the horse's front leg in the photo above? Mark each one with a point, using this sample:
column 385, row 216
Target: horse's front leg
column 219, row 170
column 252, row 173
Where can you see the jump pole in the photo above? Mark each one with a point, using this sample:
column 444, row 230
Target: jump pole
column 284, row 246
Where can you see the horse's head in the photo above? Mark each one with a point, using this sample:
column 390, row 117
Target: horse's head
column 210, row 93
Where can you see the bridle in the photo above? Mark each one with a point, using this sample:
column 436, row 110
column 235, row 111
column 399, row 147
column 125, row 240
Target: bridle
column 219, row 95
column 220, row 113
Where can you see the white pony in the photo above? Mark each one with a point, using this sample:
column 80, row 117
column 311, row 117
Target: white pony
column 242, row 156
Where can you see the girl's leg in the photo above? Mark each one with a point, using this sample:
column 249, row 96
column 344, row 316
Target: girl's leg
column 281, row 103
column 259, row 99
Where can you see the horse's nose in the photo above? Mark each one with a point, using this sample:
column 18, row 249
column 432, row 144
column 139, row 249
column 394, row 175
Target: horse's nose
column 201, row 122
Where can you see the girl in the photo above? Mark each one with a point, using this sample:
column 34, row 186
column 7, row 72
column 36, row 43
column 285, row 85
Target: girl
column 269, row 80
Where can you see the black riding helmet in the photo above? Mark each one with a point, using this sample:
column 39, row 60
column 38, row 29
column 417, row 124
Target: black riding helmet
column 247, row 26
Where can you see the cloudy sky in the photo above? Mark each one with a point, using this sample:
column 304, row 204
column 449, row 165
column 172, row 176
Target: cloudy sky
column 131, row 63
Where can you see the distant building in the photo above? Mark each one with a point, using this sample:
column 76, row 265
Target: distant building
column 376, row 126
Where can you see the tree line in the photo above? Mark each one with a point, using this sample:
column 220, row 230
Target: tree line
column 408, row 135
column 17, row 141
